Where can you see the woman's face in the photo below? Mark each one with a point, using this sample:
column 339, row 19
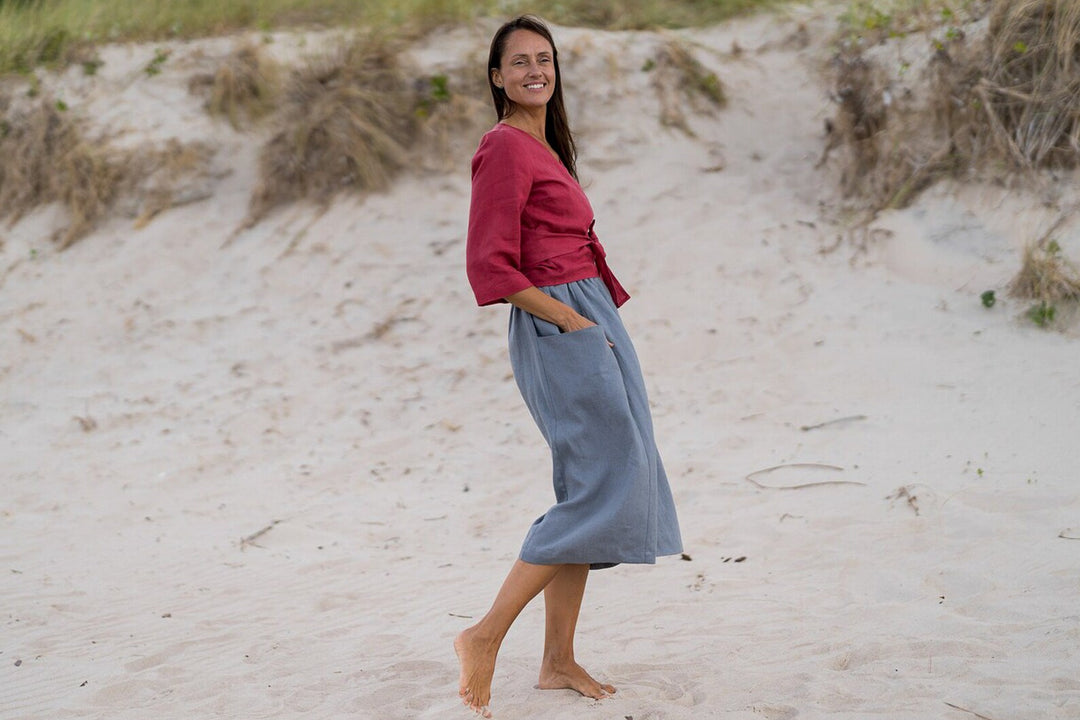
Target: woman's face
column 527, row 69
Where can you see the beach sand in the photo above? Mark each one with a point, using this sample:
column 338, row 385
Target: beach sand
column 272, row 472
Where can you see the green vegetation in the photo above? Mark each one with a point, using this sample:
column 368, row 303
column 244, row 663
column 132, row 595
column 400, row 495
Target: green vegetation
column 154, row 66
column 1042, row 314
column 875, row 20
column 53, row 32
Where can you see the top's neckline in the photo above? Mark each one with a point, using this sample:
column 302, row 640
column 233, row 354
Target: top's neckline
column 549, row 152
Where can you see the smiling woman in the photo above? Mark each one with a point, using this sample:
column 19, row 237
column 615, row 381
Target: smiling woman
column 531, row 244
column 526, row 88
column 527, row 76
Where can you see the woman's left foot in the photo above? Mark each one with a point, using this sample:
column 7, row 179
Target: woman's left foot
column 572, row 676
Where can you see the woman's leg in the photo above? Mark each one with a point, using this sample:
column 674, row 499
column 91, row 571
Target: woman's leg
column 478, row 646
column 562, row 602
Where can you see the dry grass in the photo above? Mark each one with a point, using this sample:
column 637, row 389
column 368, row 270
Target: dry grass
column 346, row 120
column 1046, row 275
column 1031, row 87
column 1051, row 281
column 1007, row 98
column 47, row 159
column 681, row 80
column 244, row 88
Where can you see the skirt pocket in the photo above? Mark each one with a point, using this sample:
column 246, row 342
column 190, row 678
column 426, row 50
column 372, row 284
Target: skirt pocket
column 584, row 382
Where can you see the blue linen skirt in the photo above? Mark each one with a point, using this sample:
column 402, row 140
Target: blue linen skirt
column 613, row 502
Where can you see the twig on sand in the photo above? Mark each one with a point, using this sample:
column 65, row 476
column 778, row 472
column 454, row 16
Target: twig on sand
column 750, row 477
column 466, row 617
column 963, row 709
column 250, row 539
column 1069, row 534
column 849, row 418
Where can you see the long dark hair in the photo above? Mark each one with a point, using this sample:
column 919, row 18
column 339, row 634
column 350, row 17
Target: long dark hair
column 556, row 126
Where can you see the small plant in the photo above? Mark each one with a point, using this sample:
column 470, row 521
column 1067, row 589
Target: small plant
column 61, row 106
column 154, row 66
column 432, row 91
column 440, row 88
column 91, row 66
column 988, row 299
column 1042, row 314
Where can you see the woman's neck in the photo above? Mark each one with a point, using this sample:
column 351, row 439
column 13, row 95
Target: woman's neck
column 534, row 123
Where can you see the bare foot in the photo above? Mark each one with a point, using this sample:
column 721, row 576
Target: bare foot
column 477, row 660
column 572, row 677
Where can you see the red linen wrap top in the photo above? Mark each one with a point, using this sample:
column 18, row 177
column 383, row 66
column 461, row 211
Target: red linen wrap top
column 529, row 221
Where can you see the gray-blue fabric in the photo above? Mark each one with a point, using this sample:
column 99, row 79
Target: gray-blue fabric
column 613, row 501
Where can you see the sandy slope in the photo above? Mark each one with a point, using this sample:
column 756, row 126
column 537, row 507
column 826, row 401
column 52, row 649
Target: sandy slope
column 328, row 372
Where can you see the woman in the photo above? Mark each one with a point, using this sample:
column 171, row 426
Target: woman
column 531, row 244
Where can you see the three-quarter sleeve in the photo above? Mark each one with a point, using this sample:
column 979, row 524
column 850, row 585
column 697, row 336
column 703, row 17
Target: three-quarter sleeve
column 501, row 183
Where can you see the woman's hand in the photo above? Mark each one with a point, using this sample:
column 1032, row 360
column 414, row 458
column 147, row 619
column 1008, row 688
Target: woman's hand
column 545, row 307
column 575, row 322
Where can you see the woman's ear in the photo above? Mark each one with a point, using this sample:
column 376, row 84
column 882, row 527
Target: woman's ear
column 496, row 78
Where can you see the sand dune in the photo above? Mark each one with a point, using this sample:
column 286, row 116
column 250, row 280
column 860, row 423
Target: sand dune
column 171, row 392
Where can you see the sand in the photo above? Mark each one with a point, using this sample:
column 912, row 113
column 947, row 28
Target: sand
column 273, row 472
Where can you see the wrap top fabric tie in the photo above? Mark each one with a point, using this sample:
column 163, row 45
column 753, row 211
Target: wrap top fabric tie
column 618, row 292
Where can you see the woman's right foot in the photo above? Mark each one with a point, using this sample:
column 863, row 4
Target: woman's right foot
column 571, row 676
column 477, row 659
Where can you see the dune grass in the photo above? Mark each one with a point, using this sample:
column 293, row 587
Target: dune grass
column 56, row 32
column 1007, row 97
column 47, row 159
column 244, row 87
column 346, row 119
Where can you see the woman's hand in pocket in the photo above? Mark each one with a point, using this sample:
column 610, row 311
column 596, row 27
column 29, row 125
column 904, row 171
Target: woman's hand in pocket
column 574, row 322
column 580, row 322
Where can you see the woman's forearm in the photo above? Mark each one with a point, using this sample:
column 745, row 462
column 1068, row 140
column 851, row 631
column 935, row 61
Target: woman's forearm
column 537, row 303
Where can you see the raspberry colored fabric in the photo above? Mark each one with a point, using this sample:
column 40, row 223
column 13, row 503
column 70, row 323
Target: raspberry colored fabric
column 529, row 221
